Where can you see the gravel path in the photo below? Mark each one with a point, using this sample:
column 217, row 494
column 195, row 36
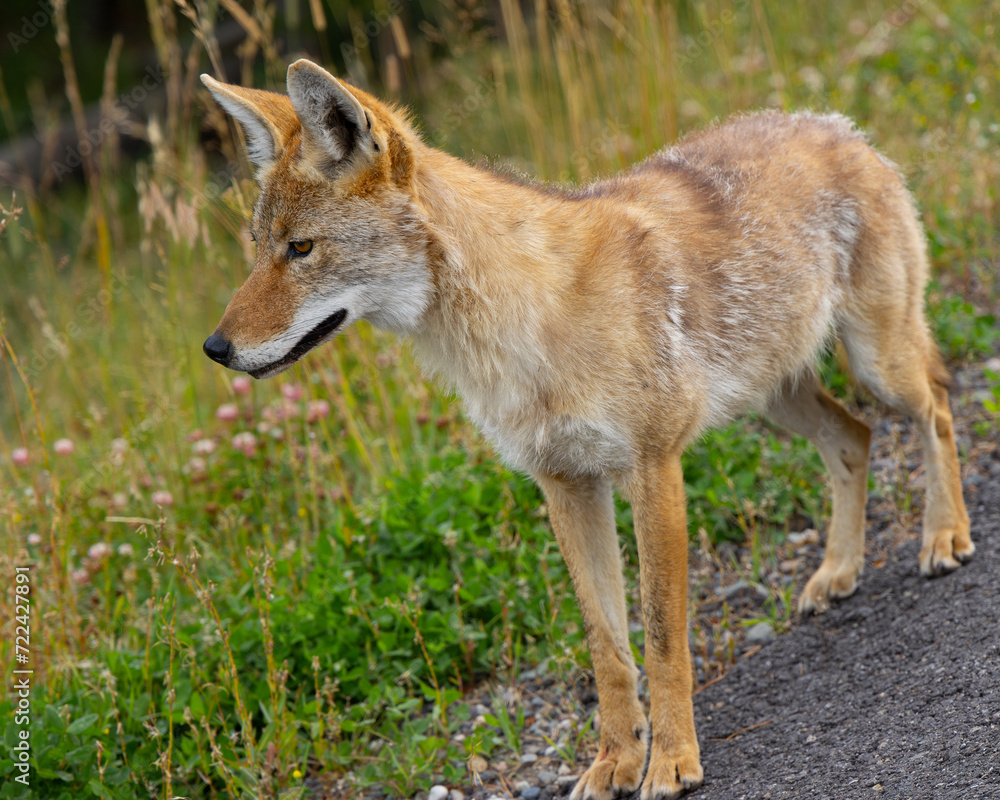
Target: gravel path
column 894, row 693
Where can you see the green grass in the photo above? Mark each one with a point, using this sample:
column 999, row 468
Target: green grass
column 321, row 598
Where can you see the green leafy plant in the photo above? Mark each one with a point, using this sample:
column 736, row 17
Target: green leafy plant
column 511, row 726
column 961, row 330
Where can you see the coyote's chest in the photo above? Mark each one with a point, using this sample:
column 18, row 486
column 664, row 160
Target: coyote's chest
column 532, row 436
column 535, row 424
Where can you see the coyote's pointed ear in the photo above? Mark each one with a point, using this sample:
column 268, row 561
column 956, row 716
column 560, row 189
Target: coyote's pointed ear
column 268, row 119
column 329, row 111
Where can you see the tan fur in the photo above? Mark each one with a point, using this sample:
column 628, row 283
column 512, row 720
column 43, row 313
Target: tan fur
column 593, row 333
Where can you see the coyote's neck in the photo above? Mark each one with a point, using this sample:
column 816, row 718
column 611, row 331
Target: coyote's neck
column 499, row 280
column 493, row 228
column 512, row 326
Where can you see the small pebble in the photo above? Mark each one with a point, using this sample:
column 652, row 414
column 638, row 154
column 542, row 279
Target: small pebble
column 742, row 589
column 761, row 633
column 531, row 793
column 546, row 777
column 456, row 794
column 477, row 763
column 438, row 792
column 529, row 758
column 808, row 536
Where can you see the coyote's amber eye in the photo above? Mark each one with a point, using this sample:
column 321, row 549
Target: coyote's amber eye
column 301, row 248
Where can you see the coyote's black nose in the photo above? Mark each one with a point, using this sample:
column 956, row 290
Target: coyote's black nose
column 217, row 349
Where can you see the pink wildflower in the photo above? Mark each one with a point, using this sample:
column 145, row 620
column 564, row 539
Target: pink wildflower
column 317, row 410
column 195, row 467
column 100, row 551
column 241, row 385
column 291, row 391
column 204, row 447
column 227, row 412
column 246, row 443
column 20, row 456
column 63, row 447
column 162, row 497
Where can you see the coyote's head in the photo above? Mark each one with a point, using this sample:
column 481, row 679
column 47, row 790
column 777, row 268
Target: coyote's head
column 337, row 231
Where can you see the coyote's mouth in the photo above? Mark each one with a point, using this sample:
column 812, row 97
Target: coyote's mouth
column 303, row 346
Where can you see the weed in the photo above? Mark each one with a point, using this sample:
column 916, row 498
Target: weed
column 962, row 332
column 569, row 743
column 510, row 726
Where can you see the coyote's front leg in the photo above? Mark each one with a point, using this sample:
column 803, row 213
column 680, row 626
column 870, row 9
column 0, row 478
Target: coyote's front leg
column 658, row 508
column 582, row 515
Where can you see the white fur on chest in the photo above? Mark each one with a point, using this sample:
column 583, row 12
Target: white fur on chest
column 529, row 435
column 531, row 439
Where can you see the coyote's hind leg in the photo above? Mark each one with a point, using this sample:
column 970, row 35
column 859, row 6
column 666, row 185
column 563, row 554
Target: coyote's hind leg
column 807, row 409
column 903, row 369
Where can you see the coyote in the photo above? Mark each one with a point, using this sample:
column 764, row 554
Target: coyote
column 594, row 332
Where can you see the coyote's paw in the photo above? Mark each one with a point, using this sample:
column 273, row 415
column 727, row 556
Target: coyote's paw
column 615, row 772
column 672, row 773
column 947, row 550
column 831, row 582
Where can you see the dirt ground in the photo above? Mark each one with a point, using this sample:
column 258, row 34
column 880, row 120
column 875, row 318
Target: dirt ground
column 894, row 693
